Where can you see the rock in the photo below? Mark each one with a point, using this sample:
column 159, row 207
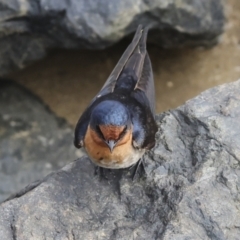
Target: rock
column 33, row 141
column 28, row 28
column 190, row 189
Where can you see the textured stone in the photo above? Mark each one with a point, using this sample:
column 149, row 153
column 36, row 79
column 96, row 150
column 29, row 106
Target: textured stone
column 33, row 141
column 29, row 27
column 190, row 190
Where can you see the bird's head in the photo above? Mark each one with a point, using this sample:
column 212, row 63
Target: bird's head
column 110, row 124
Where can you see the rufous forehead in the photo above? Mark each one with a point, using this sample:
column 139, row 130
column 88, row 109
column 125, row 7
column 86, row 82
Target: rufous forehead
column 111, row 132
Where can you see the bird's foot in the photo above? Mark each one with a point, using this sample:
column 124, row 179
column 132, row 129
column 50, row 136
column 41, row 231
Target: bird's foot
column 98, row 172
column 137, row 169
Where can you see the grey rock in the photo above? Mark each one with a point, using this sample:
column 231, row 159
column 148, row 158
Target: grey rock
column 190, row 189
column 29, row 27
column 33, row 141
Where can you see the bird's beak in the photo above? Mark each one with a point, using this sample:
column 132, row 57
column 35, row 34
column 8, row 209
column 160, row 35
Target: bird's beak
column 111, row 144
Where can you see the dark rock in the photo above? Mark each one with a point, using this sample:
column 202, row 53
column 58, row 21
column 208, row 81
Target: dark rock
column 33, row 141
column 190, row 190
column 29, row 27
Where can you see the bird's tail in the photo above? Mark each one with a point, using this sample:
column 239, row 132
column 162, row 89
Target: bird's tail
column 136, row 60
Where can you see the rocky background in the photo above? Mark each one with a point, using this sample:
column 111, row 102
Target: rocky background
column 33, row 141
column 29, row 27
column 190, row 189
column 180, row 74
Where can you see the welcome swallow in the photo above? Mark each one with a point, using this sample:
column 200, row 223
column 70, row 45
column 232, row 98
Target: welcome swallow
column 119, row 124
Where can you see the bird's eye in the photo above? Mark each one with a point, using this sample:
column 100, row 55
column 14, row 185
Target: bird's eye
column 99, row 132
column 123, row 132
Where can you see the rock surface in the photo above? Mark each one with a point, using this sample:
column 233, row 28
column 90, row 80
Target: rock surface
column 33, row 141
column 190, row 190
column 29, row 27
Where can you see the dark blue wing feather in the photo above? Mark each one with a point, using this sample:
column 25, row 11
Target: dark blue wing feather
column 109, row 85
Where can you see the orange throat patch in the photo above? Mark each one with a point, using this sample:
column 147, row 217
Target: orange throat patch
column 99, row 152
column 111, row 132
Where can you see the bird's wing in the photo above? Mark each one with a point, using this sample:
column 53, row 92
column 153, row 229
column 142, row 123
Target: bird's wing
column 112, row 79
column 144, row 125
column 134, row 63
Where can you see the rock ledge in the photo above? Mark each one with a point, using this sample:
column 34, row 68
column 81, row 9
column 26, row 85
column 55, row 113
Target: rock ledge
column 190, row 190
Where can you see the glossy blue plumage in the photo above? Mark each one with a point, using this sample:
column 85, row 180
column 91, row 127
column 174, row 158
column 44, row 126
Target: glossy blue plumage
column 110, row 112
column 127, row 81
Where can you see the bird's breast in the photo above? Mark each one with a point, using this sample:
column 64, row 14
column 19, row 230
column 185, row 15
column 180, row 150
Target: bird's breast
column 123, row 155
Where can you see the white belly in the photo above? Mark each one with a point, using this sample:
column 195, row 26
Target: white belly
column 128, row 161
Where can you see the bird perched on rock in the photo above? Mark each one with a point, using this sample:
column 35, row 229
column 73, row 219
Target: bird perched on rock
column 119, row 125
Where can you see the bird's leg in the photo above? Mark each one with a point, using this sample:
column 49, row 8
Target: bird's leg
column 98, row 171
column 137, row 167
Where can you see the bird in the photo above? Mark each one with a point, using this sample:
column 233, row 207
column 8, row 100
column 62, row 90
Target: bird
column 119, row 126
